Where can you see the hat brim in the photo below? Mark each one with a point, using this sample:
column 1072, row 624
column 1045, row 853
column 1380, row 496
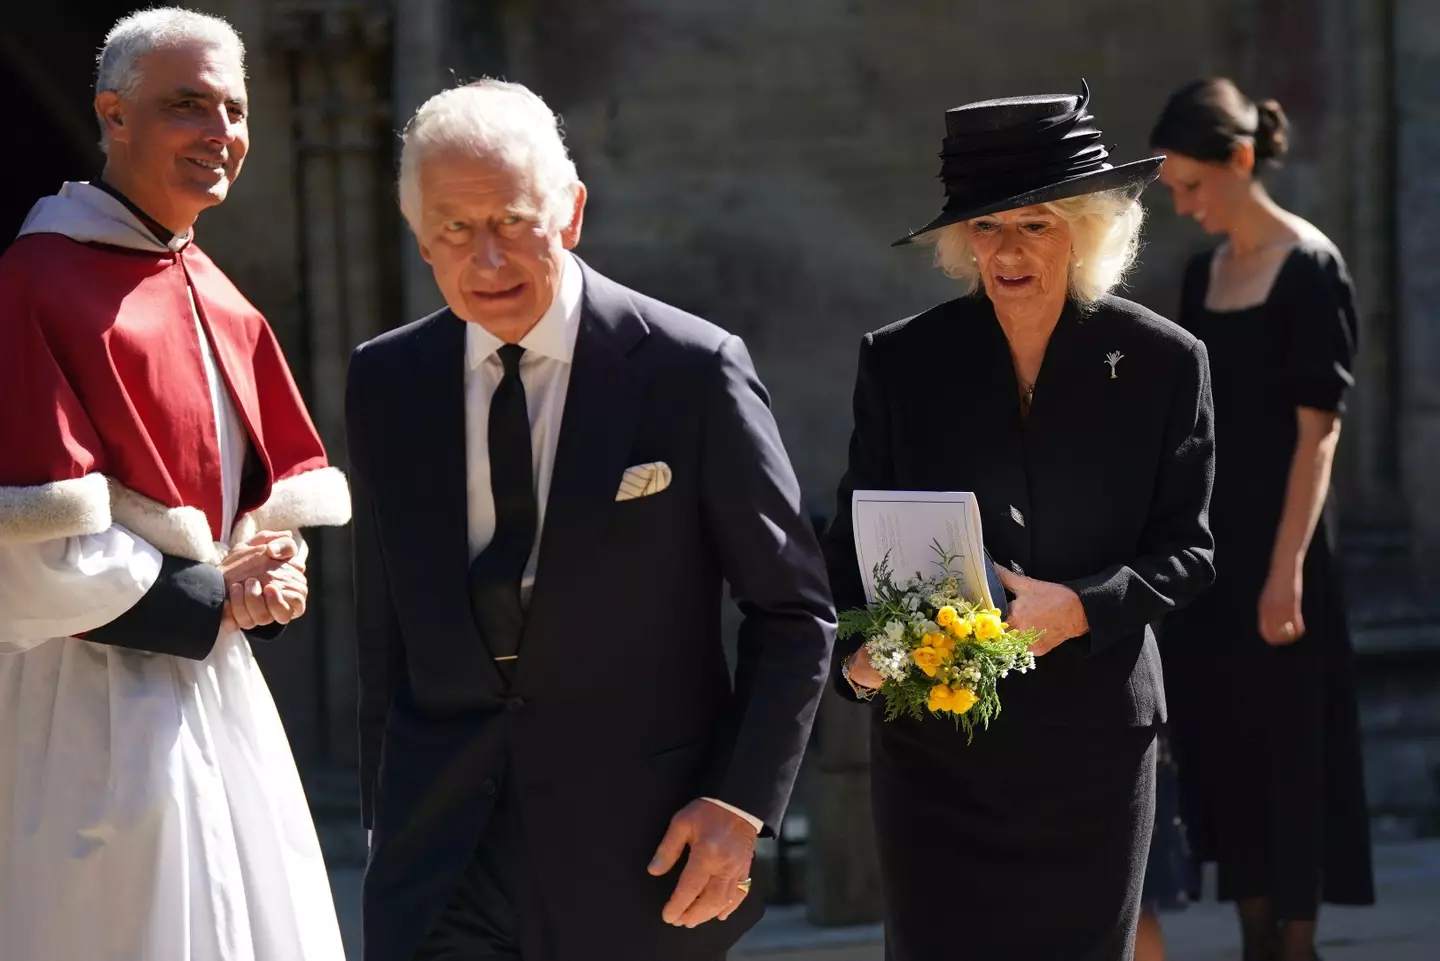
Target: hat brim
column 1136, row 174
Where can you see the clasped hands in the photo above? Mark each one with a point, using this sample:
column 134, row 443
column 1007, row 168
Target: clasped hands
column 265, row 581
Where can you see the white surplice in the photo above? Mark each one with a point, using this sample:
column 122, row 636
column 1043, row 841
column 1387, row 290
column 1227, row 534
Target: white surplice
column 150, row 809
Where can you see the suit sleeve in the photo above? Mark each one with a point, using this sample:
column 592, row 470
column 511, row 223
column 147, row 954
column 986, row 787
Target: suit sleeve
column 766, row 543
column 869, row 468
column 379, row 648
column 1175, row 562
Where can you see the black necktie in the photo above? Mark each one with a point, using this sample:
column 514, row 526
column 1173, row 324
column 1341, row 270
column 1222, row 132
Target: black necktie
column 495, row 574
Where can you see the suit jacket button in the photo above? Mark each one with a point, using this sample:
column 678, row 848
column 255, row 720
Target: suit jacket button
column 516, row 704
column 490, row 787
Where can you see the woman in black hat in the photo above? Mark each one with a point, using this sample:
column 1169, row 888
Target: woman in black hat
column 1083, row 424
column 1261, row 679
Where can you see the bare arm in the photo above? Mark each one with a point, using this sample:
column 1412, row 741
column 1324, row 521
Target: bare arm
column 1317, row 434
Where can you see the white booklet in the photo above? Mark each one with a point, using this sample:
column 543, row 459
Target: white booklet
column 906, row 525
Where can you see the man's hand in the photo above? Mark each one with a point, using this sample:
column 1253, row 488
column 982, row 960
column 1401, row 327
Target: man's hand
column 265, row 581
column 722, row 845
column 1043, row 606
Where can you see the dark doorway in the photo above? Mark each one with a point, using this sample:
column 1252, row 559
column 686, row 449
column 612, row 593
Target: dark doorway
column 40, row 159
column 47, row 63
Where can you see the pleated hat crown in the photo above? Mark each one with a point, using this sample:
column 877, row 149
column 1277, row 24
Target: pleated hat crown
column 1020, row 151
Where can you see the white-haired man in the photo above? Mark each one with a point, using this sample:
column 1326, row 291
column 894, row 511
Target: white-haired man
column 156, row 464
column 552, row 477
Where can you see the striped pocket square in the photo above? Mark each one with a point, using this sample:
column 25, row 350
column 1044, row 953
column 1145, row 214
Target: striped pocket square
column 642, row 480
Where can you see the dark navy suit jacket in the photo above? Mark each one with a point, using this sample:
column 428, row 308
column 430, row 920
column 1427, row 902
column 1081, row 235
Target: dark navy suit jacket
column 622, row 709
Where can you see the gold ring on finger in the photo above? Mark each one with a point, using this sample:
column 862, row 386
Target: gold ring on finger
column 744, row 886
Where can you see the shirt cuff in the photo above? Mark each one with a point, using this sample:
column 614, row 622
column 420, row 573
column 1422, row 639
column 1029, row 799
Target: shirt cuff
column 750, row 819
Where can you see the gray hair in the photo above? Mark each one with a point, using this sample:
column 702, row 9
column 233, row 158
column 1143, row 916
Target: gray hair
column 494, row 119
column 117, row 68
column 1105, row 240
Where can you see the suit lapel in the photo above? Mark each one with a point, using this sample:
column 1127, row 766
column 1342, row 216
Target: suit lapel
column 440, row 496
column 602, row 410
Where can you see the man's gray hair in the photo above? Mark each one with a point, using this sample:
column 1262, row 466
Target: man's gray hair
column 117, row 67
column 491, row 119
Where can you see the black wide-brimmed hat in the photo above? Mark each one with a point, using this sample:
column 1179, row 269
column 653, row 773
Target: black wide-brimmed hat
column 1020, row 151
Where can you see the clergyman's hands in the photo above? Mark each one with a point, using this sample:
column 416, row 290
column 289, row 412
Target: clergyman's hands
column 265, row 581
column 1043, row 606
column 722, row 845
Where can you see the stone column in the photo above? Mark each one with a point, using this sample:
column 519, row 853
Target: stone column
column 332, row 58
column 419, row 74
column 1416, row 77
column 1368, row 472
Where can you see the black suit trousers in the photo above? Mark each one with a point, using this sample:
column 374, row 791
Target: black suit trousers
column 495, row 913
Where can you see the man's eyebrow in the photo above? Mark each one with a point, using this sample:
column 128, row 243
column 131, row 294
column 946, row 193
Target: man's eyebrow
column 189, row 93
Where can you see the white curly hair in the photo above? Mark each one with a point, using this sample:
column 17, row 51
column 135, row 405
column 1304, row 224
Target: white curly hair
column 1104, row 238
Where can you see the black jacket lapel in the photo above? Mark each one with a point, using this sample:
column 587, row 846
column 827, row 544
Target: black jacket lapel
column 602, row 409
column 440, row 497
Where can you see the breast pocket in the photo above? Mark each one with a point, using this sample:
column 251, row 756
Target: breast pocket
column 645, row 493
column 644, row 479
column 638, row 528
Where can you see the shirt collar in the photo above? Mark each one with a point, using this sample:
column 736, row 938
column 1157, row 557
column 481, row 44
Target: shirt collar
column 552, row 336
column 159, row 231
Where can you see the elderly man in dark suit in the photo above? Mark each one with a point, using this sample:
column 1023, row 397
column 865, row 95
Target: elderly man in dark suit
column 553, row 477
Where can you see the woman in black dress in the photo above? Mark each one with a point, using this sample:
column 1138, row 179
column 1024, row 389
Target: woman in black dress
column 1259, row 670
column 1082, row 423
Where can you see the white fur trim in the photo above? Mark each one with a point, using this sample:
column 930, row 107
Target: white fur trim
column 179, row 531
column 91, row 504
column 316, row 498
column 45, row 512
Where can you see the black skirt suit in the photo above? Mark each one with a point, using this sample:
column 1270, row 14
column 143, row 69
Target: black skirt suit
column 1030, row 842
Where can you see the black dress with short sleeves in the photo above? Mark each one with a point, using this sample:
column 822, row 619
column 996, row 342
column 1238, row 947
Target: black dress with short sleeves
column 1267, row 738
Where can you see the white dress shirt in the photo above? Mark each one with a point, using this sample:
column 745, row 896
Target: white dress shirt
column 545, row 371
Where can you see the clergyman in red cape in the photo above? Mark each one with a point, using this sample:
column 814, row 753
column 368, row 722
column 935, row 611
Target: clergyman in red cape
column 156, row 466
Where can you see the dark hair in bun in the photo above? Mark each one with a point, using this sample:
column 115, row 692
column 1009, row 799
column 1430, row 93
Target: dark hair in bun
column 1272, row 133
column 1208, row 119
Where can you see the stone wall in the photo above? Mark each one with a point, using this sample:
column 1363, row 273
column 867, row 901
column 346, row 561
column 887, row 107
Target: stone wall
column 1417, row 102
column 753, row 165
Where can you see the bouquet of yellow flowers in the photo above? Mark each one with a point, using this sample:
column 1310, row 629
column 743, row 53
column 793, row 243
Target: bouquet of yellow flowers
column 936, row 650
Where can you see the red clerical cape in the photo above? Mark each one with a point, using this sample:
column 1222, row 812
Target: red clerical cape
column 105, row 410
